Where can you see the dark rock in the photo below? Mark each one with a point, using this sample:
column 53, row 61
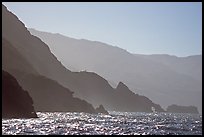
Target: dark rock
column 16, row 102
column 49, row 95
column 101, row 109
column 182, row 109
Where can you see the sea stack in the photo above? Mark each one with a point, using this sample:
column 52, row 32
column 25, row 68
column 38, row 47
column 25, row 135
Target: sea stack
column 101, row 109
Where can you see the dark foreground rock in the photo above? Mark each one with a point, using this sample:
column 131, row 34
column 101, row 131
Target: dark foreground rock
column 101, row 109
column 182, row 109
column 16, row 102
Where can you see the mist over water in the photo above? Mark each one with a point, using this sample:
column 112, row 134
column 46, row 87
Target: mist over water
column 116, row 123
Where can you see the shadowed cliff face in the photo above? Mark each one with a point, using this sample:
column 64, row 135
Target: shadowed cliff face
column 141, row 103
column 85, row 85
column 162, row 78
column 47, row 94
column 97, row 91
column 51, row 96
column 13, row 61
column 16, row 102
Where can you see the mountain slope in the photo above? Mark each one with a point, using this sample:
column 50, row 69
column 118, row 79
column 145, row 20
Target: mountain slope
column 47, row 94
column 191, row 65
column 88, row 86
column 155, row 79
column 12, row 60
column 16, row 102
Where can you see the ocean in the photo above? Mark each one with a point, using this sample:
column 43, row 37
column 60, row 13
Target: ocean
column 116, row 123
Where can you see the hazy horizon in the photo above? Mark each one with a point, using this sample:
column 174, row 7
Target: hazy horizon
column 140, row 28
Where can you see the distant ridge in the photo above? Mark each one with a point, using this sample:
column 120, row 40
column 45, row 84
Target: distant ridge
column 162, row 78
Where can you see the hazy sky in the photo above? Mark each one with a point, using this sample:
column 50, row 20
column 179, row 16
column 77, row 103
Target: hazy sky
column 143, row 28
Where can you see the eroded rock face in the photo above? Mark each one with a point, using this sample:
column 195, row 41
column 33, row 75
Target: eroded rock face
column 182, row 109
column 16, row 102
column 101, row 109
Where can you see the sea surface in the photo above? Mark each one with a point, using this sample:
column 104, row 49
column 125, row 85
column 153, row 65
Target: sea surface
column 116, row 123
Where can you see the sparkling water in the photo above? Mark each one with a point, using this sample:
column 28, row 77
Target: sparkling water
column 116, row 123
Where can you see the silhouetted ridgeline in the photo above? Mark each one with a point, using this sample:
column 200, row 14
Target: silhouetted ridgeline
column 47, row 94
column 16, row 102
column 51, row 96
column 161, row 78
column 50, row 81
column 182, row 109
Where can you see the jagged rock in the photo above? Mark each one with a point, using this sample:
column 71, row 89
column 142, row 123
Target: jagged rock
column 101, row 109
column 129, row 101
column 182, row 109
column 121, row 87
column 16, row 102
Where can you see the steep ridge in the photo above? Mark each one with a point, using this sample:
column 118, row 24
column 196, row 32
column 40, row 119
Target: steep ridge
column 51, row 96
column 86, row 85
column 47, row 94
column 12, row 60
column 160, row 82
column 16, row 102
